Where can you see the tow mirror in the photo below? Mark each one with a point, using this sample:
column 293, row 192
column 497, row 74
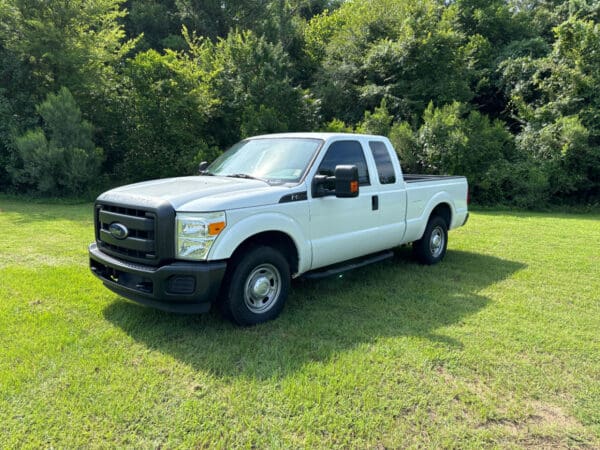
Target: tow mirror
column 346, row 181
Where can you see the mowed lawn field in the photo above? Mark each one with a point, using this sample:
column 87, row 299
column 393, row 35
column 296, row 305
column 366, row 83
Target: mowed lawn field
column 497, row 346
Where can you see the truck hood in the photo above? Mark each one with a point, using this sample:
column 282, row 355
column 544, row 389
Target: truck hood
column 198, row 194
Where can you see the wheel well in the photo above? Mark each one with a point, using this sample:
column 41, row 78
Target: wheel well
column 275, row 239
column 443, row 210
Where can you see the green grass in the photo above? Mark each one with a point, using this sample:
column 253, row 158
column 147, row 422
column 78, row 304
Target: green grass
column 497, row 346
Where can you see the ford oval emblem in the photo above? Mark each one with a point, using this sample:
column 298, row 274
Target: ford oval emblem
column 118, row 230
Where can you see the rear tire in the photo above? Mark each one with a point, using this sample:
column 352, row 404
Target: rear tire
column 257, row 287
column 431, row 248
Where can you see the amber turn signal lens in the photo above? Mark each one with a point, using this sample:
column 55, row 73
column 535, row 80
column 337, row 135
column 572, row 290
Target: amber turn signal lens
column 354, row 186
column 215, row 228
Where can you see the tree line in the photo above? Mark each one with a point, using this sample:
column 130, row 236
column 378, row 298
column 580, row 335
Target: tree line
column 101, row 92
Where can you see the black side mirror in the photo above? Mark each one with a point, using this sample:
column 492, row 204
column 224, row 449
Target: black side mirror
column 346, row 181
column 322, row 186
column 202, row 167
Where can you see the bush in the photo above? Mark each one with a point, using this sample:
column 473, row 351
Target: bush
column 6, row 143
column 251, row 78
column 337, row 126
column 454, row 141
column 571, row 163
column 377, row 122
column 165, row 111
column 60, row 158
column 523, row 184
column 404, row 140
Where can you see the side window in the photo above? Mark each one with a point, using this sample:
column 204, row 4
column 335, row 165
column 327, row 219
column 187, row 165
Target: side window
column 345, row 152
column 385, row 169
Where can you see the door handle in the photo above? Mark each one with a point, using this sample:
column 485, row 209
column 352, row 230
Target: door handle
column 375, row 202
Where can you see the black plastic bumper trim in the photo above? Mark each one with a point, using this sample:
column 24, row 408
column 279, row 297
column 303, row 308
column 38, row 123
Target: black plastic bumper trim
column 150, row 285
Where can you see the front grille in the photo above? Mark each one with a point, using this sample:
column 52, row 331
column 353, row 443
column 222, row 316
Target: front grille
column 140, row 243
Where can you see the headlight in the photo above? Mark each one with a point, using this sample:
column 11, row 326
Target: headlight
column 196, row 233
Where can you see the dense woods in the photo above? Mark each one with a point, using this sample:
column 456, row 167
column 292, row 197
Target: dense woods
column 506, row 92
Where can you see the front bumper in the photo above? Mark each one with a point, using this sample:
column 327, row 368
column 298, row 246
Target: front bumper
column 186, row 287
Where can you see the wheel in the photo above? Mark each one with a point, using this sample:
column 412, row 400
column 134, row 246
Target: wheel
column 257, row 287
column 431, row 248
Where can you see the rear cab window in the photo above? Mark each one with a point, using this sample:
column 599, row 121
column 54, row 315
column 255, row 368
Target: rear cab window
column 383, row 162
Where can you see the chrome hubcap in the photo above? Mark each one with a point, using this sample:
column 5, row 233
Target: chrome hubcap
column 262, row 288
column 436, row 243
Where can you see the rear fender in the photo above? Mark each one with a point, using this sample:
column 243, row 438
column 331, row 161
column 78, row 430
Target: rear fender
column 416, row 227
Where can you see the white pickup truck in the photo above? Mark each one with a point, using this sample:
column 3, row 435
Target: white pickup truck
column 269, row 209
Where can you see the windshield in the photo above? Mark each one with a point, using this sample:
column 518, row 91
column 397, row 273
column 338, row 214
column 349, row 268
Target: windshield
column 275, row 160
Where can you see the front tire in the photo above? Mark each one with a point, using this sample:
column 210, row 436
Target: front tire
column 258, row 286
column 431, row 248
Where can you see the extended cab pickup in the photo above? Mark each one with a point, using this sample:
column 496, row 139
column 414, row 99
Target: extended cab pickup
column 269, row 209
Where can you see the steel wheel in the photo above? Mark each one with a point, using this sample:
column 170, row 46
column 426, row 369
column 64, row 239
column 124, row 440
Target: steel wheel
column 262, row 288
column 431, row 248
column 256, row 286
column 436, row 241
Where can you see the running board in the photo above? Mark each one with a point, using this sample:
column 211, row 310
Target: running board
column 349, row 265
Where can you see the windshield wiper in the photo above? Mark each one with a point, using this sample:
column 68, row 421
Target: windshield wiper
column 245, row 176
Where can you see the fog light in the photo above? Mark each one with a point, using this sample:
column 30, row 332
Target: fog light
column 181, row 284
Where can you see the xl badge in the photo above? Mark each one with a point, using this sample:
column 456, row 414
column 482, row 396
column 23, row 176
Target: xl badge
column 118, row 230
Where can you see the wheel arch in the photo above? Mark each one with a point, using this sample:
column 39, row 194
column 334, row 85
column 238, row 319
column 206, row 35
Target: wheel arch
column 272, row 229
column 443, row 210
column 273, row 238
column 441, row 204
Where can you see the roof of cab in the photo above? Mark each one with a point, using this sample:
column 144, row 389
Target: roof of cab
column 317, row 135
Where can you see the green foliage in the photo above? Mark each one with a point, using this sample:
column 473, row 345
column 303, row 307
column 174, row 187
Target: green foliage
column 377, row 122
column 494, row 34
column 166, row 108
column 6, row 131
column 250, row 77
column 68, row 43
column 523, row 183
column 404, row 140
column 499, row 72
column 157, row 24
column 60, row 158
column 337, row 126
column 571, row 164
column 406, row 52
column 47, row 45
column 179, row 105
column 214, row 18
column 557, row 98
column 458, row 142
column 262, row 120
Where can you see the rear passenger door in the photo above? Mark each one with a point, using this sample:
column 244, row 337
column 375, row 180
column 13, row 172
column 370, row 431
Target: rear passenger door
column 343, row 228
column 391, row 194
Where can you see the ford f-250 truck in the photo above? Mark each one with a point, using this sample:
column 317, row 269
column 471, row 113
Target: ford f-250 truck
column 269, row 209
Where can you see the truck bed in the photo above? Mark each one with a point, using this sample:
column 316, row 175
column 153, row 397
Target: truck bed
column 418, row 178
